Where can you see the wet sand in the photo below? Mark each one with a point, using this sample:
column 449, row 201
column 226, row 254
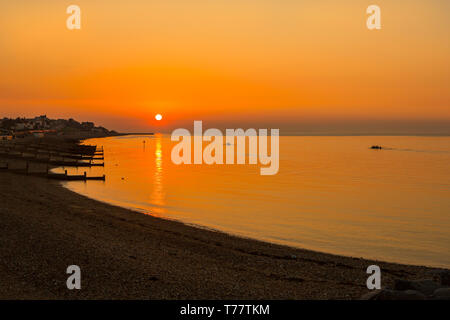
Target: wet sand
column 128, row 255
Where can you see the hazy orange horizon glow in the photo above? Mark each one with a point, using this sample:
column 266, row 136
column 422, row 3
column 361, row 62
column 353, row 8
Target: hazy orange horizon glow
column 293, row 65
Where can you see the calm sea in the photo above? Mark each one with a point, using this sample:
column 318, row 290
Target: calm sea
column 332, row 194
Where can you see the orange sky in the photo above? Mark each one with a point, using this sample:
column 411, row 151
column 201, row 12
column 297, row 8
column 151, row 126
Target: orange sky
column 288, row 64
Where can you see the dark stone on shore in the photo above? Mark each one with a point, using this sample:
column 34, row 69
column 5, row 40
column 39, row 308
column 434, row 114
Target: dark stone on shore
column 442, row 294
column 414, row 290
column 426, row 287
column 371, row 295
column 445, row 278
column 441, row 276
column 386, row 294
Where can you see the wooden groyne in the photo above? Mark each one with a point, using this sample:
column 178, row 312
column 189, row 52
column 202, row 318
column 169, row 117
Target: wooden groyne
column 68, row 148
column 65, row 176
column 70, row 156
column 56, row 176
column 53, row 162
column 61, row 155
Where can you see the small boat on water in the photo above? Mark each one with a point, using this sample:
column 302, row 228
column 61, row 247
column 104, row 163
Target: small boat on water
column 376, row 147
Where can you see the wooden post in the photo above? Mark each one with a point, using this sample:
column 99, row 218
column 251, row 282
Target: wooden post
column 65, row 172
column 85, row 175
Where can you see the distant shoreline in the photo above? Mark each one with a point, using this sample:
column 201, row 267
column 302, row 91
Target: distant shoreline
column 136, row 133
column 290, row 134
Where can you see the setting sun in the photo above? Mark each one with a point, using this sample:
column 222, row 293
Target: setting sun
column 158, row 117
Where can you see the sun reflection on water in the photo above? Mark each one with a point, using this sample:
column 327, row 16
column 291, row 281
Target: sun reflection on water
column 157, row 197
